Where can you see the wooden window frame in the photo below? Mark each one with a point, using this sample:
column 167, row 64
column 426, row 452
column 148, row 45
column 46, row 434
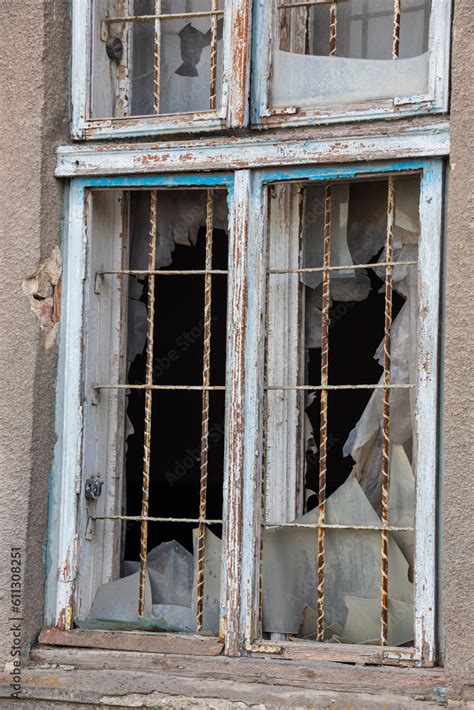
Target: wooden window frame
column 435, row 101
column 233, row 113
column 243, row 457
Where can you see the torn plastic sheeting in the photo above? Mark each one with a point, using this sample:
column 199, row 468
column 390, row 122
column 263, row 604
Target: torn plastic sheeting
column 212, row 580
column 352, row 564
column 170, row 567
column 118, row 601
column 307, row 80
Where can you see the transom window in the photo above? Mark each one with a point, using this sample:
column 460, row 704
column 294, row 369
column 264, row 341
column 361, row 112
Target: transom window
column 147, row 66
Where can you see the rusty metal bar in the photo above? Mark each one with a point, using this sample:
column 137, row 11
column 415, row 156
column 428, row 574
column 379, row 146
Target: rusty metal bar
column 309, row 269
column 206, row 378
column 160, row 16
column 263, row 508
column 323, row 428
column 170, row 272
column 328, row 526
column 195, row 521
column 386, row 410
column 192, row 388
column 316, row 388
column 214, row 272
column 332, row 29
column 308, row 3
column 150, row 519
column 306, row 30
column 156, row 60
column 396, row 30
column 148, row 404
column 213, row 65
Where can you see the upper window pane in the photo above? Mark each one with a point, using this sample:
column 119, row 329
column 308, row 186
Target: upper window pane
column 156, row 57
column 349, row 51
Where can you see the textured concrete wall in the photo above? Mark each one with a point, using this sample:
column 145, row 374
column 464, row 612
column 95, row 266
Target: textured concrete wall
column 34, row 51
column 458, row 550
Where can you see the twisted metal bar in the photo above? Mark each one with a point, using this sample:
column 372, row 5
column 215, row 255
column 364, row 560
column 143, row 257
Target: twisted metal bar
column 156, row 59
column 213, row 66
column 263, row 507
column 332, row 29
column 323, row 428
column 148, row 406
column 206, row 378
column 386, row 410
column 396, row 31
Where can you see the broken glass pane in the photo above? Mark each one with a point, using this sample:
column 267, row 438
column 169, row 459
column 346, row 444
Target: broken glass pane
column 321, row 58
column 156, row 57
column 347, row 424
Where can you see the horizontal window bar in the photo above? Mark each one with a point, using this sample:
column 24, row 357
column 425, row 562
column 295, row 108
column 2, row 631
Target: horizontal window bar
column 310, row 269
column 169, row 16
column 144, row 272
column 314, row 388
column 149, row 519
column 194, row 388
column 328, row 526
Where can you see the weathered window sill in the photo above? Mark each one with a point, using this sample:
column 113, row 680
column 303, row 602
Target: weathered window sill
column 95, row 678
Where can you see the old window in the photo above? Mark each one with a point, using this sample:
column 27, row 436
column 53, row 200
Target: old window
column 351, row 59
column 257, row 419
column 157, row 65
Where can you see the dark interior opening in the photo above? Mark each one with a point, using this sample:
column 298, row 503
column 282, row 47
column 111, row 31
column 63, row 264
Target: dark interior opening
column 176, row 415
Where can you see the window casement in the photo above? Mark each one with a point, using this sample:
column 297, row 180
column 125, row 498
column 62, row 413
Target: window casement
column 248, row 431
column 144, row 67
column 151, row 66
column 340, row 60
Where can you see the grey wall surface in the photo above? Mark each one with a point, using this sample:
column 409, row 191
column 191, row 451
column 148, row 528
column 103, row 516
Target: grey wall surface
column 458, row 548
column 34, row 57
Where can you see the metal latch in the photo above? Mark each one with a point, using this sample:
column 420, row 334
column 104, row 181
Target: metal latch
column 93, row 488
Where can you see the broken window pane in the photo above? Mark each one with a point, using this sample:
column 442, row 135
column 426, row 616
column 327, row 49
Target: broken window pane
column 156, row 57
column 349, row 51
column 174, row 297
column 339, row 411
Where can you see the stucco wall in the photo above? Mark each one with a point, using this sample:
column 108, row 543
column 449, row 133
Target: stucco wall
column 458, row 550
column 34, row 58
column 34, row 51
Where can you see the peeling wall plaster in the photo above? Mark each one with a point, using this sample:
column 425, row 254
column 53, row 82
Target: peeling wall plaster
column 43, row 289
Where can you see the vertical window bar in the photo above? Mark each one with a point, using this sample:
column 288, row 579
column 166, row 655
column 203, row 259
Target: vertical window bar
column 386, row 408
column 263, row 511
column 206, row 378
column 148, row 404
column 213, row 70
column 156, row 59
column 332, row 29
column 306, row 29
column 396, row 31
column 323, row 435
